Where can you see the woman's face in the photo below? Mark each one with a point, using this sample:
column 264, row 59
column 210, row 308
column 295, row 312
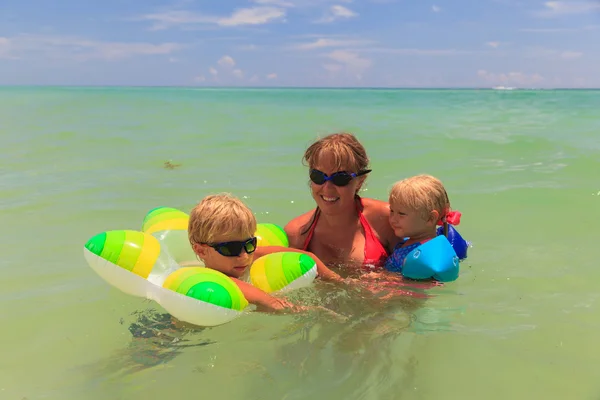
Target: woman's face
column 332, row 198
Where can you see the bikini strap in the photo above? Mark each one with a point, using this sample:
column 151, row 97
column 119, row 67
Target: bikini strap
column 311, row 230
column 363, row 219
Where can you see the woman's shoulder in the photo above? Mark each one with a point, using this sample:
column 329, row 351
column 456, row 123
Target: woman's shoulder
column 376, row 208
column 295, row 229
column 377, row 212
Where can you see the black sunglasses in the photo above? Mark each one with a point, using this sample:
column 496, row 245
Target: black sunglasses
column 340, row 178
column 234, row 248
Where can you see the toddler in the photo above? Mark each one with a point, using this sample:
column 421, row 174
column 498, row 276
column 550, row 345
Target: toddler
column 417, row 205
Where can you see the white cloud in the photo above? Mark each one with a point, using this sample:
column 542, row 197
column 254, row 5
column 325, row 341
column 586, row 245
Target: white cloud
column 543, row 52
column 342, row 12
column 248, row 47
column 81, row 49
column 253, row 16
column 279, row 3
column 213, row 71
column 495, row 45
column 169, row 19
column 416, row 52
column 560, row 30
column 571, row 54
column 326, row 42
column 350, row 61
column 253, row 79
column 313, row 3
column 238, row 73
column 559, row 8
column 241, row 16
column 333, row 67
column 509, row 78
column 199, row 78
column 337, row 12
column 272, row 75
column 435, row 8
column 226, row 61
column 5, row 47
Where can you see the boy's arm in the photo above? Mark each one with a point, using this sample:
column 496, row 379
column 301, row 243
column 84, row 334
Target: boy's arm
column 262, row 300
column 268, row 303
column 322, row 270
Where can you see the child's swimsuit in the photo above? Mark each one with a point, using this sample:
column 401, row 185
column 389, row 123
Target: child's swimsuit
column 375, row 253
column 396, row 260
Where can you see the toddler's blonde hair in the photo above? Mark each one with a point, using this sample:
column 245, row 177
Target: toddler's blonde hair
column 220, row 215
column 422, row 193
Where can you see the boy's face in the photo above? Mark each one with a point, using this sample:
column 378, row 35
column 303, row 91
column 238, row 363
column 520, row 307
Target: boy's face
column 228, row 255
column 407, row 222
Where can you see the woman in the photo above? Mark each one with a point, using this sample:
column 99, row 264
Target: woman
column 344, row 228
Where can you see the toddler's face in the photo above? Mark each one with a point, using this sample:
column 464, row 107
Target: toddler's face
column 407, row 222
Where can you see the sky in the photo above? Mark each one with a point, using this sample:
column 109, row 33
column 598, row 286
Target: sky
column 301, row 43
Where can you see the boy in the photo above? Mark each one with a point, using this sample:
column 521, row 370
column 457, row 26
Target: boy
column 221, row 231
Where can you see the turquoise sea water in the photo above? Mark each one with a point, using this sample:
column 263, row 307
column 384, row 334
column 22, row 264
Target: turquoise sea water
column 521, row 322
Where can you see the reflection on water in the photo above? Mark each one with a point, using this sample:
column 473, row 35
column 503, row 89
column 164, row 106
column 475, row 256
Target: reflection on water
column 346, row 346
column 337, row 359
column 156, row 339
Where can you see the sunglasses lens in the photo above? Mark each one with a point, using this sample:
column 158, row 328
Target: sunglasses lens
column 232, row 249
column 250, row 245
column 317, row 177
column 341, row 179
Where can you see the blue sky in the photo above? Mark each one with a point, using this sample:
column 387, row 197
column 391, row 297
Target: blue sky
column 374, row 43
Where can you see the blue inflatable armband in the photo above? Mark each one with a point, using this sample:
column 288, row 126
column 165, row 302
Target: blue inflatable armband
column 459, row 244
column 433, row 259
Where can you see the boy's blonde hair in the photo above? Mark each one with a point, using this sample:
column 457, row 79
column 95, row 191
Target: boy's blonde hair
column 220, row 215
column 422, row 193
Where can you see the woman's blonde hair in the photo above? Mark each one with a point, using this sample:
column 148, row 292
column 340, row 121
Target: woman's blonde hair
column 345, row 148
column 422, row 193
column 220, row 216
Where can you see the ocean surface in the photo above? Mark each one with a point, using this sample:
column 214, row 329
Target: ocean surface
column 521, row 322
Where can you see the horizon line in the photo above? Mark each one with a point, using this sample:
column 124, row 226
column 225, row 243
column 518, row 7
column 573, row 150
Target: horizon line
column 497, row 88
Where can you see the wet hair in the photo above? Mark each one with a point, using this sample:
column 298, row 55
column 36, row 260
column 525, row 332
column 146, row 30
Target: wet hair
column 345, row 148
column 421, row 193
column 220, row 216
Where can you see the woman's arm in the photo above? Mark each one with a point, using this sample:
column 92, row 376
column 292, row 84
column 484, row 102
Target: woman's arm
column 324, row 272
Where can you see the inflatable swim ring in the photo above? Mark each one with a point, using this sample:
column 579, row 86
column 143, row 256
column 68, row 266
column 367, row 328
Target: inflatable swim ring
column 148, row 264
column 459, row 244
column 435, row 259
column 438, row 258
column 279, row 272
column 169, row 225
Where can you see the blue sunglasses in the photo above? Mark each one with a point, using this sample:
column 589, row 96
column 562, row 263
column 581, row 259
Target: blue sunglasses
column 340, row 178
